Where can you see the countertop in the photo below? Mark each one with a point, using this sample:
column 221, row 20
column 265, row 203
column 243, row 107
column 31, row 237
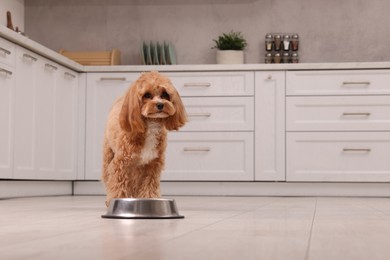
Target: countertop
column 55, row 56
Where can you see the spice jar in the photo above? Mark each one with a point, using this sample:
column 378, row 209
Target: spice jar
column 277, row 58
column 268, row 58
column 286, row 57
column 277, row 42
column 286, row 42
column 295, row 42
column 294, row 57
column 269, row 42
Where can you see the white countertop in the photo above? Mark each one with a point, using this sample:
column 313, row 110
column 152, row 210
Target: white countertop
column 55, row 56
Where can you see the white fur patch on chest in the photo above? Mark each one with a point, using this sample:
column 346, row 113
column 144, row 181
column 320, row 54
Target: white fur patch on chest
column 149, row 151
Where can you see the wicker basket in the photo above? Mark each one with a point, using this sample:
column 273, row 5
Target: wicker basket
column 94, row 58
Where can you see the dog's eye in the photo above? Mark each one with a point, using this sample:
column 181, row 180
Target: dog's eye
column 147, row 95
column 165, row 95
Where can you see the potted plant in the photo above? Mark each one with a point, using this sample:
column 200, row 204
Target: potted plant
column 230, row 48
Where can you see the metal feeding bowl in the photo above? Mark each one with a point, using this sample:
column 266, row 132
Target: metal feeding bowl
column 142, row 209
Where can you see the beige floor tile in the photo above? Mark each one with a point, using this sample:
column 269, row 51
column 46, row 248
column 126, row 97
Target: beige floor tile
column 214, row 228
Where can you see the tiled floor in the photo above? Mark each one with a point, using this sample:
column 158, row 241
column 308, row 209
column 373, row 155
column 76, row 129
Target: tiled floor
column 225, row 228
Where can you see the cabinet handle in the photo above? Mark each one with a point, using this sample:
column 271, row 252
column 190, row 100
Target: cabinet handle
column 5, row 51
column 197, row 85
column 67, row 74
column 359, row 150
column 356, row 83
column 47, row 65
column 196, row 149
column 199, row 115
column 7, row 72
column 357, row 114
column 112, row 78
column 28, row 56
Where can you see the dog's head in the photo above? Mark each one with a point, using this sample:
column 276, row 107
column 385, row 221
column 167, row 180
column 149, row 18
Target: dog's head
column 152, row 97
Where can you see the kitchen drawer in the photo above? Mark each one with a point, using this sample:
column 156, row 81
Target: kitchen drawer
column 193, row 84
column 7, row 52
column 219, row 114
column 338, row 156
column 226, row 156
column 338, row 113
column 345, row 82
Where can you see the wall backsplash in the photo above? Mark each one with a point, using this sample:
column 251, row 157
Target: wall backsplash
column 330, row 31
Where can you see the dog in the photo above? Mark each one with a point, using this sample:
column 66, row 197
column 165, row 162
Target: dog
column 135, row 137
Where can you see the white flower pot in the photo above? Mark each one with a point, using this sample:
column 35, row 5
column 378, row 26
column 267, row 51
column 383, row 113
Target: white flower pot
column 230, row 57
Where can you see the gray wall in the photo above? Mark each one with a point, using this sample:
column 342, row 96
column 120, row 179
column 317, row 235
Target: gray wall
column 330, row 30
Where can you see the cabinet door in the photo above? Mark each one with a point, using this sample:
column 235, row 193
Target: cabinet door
column 102, row 90
column 66, row 124
column 25, row 113
column 270, row 126
column 7, row 81
column 7, row 52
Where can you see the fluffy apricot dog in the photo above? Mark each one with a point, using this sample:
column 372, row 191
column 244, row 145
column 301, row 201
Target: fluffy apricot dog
column 135, row 138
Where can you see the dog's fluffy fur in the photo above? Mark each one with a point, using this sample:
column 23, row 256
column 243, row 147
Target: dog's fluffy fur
column 135, row 137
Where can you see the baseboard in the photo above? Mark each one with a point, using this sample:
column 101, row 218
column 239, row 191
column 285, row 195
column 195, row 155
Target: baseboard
column 16, row 188
column 253, row 189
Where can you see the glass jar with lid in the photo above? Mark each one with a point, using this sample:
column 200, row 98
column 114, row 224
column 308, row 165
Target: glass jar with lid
column 269, row 42
column 295, row 42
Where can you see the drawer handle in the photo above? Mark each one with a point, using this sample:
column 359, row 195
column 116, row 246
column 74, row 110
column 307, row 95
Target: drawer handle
column 356, row 150
column 199, row 115
column 67, row 74
column 356, row 83
column 5, row 51
column 6, row 72
column 197, row 85
column 47, row 65
column 196, row 149
column 112, row 78
column 357, row 114
column 28, row 56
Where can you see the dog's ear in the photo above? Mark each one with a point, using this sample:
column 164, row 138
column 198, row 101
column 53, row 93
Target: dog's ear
column 180, row 117
column 130, row 117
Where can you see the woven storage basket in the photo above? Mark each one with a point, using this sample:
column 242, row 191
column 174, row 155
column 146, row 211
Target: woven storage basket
column 94, row 58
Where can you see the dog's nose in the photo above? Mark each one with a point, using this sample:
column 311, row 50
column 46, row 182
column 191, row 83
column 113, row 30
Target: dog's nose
column 160, row 106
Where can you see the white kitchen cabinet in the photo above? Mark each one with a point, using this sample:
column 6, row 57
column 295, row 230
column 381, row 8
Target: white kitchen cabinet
column 219, row 122
column 270, row 126
column 206, row 156
column 7, row 86
column 338, row 113
column 338, row 156
column 219, row 114
column 338, row 82
column 46, row 119
column 7, row 52
column 201, row 84
column 338, row 126
column 102, row 90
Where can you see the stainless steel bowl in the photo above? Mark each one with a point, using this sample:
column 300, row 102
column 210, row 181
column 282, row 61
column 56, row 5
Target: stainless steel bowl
column 142, row 208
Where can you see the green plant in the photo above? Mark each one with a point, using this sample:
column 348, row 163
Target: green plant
column 230, row 41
